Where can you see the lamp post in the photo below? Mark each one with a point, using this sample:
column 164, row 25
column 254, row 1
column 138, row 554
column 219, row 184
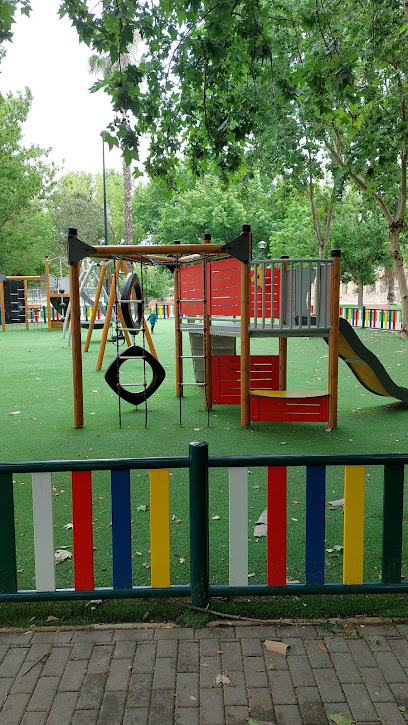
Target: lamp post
column 103, row 135
column 262, row 246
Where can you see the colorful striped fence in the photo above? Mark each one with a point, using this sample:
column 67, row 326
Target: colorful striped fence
column 372, row 318
column 199, row 466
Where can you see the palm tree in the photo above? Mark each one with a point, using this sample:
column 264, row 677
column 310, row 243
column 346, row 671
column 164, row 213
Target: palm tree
column 102, row 64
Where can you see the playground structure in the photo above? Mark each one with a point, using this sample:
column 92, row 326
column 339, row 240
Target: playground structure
column 221, row 293
column 14, row 305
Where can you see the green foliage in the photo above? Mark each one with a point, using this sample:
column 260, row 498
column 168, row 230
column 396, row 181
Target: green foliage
column 8, row 9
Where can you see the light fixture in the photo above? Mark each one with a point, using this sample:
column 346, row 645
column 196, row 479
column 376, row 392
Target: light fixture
column 262, row 246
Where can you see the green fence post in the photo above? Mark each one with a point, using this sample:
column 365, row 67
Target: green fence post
column 392, row 523
column 363, row 317
column 8, row 568
column 199, row 533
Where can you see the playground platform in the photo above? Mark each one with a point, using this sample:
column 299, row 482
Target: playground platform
column 161, row 674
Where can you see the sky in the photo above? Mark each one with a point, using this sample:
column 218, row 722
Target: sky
column 46, row 56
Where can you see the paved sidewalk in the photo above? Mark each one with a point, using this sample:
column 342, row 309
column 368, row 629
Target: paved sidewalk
column 168, row 675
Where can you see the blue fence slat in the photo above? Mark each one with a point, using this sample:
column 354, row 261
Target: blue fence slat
column 121, row 530
column 315, row 524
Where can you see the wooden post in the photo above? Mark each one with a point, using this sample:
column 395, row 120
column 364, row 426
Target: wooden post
column 95, row 307
column 76, row 340
column 283, row 341
column 2, row 305
column 108, row 317
column 47, row 289
column 245, row 341
column 26, row 304
column 207, row 330
column 178, row 334
column 334, row 336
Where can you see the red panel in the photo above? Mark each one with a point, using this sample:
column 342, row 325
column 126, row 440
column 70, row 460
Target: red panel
column 276, row 526
column 82, row 530
column 272, row 293
column 191, row 288
column 226, row 376
column 290, row 410
column 225, row 286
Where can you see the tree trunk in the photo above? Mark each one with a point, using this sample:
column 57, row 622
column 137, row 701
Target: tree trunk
column 127, row 187
column 390, row 279
column 393, row 236
column 360, row 292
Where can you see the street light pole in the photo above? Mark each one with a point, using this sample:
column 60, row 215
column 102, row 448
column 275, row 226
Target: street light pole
column 103, row 134
column 262, row 246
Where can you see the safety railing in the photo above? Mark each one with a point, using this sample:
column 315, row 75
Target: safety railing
column 281, row 479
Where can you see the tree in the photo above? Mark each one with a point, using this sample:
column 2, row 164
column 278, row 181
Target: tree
column 74, row 204
column 25, row 183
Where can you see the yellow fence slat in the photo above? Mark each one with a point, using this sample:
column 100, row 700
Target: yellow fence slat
column 160, row 527
column 353, row 549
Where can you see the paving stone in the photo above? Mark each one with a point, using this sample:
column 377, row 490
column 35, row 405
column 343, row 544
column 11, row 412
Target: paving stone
column 215, row 633
column 384, row 630
column 62, row 708
column 14, row 709
column 329, row 685
column 362, row 655
column 307, row 631
column 257, row 631
column 338, row 708
column 99, row 636
column 402, row 629
column 124, row 649
column 260, row 704
column 81, row 651
column 378, row 644
column 6, row 683
column 388, row 712
column 317, row 653
column 296, row 646
column 100, row 659
column 112, row 708
column 236, row 716
column 187, row 689
column 35, row 718
column 91, row 694
column 164, row 677
column 56, row 662
column 174, row 633
column 167, row 648
column 345, row 667
column 119, row 675
column 145, row 657
column 311, row 706
column 188, row 657
column 135, row 634
column 336, row 644
column 288, row 715
column 27, row 679
column 36, row 651
column 73, row 676
column 255, row 672
column 252, row 647
column 13, row 661
column 400, row 649
column 139, row 690
column 136, row 716
column 235, row 694
column 161, row 707
column 390, row 667
column 44, row 693
column 211, row 707
column 52, row 637
column 283, row 692
column 187, row 716
column 400, row 692
column 16, row 638
column 275, row 661
column 85, row 717
column 232, row 656
column 210, row 667
column 359, row 701
column 376, row 685
column 301, row 671
column 209, row 647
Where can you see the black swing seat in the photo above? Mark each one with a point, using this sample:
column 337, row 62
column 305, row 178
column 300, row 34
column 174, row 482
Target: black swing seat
column 112, row 375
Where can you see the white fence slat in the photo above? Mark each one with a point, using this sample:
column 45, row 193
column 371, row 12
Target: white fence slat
column 238, row 527
column 43, row 532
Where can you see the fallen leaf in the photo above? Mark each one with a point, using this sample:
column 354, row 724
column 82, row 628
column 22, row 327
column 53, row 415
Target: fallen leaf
column 402, row 708
column 138, row 553
column 251, row 575
column 216, row 517
column 145, row 616
column 93, row 601
column 141, row 508
column 220, row 652
column 279, row 647
column 222, row 680
column 322, row 646
column 68, row 526
column 15, row 412
column 182, row 560
column 52, row 619
column 20, row 571
column 338, row 502
column 272, row 667
column 61, row 555
column 373, row 641
column 193, row 698
column 340, row 719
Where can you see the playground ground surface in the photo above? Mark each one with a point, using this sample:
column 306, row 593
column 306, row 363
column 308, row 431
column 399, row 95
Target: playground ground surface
column 37, row 424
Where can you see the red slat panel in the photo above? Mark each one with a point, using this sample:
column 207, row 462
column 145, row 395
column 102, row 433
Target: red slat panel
column 82, row 530
column 276, row 526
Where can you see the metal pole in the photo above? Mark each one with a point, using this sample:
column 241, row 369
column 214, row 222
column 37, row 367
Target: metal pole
column 105, row 213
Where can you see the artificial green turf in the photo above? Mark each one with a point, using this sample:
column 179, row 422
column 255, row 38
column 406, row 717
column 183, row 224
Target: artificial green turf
column 36, row 380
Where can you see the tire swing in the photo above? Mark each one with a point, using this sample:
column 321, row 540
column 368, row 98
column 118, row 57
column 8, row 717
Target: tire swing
column 132, row 283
